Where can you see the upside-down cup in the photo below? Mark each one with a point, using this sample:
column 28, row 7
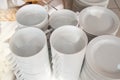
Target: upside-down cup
column 32, row 15
column 29, row 48
column 68, row 45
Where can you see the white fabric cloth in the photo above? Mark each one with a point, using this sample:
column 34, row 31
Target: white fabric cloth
column 7, row 29
column 3, row 4
column 5, row 69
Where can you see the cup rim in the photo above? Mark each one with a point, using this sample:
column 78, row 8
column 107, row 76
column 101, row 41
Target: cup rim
column 67, row 27
column 55, row 13
column 33, row 6
column 34, row 54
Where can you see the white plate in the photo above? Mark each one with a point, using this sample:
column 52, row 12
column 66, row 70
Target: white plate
column 94, row 74
column 103, row 56
column 97, row 21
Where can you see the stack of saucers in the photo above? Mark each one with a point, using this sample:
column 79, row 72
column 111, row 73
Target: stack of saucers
column 29, row 56
column 102, row 60
column 78, row 5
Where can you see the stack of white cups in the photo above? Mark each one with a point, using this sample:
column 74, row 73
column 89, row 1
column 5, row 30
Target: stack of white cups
column 68, row 46
column 78, row 5
column 30, row 57
column 102, row 61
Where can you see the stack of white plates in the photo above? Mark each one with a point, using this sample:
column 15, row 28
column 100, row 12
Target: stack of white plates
column 78, row 5
column 29, row 57
column 96, row 21
column 102, row 60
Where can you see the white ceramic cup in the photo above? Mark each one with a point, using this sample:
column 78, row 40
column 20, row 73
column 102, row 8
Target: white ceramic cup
column 32, row 15
column 63, row 17
column 68, row 45
column 96, row 21
column 29, row 48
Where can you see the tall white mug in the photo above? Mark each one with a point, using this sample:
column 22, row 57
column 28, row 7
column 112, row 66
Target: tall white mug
column 68, row 45
column 29, row 48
